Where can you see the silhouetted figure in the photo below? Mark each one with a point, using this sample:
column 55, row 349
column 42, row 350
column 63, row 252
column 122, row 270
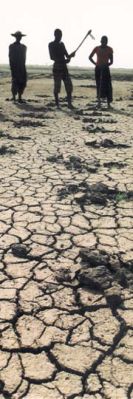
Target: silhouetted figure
column 104, row 59
column 60, row 56
column 17, row 59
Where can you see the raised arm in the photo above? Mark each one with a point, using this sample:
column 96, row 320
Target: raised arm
column 68, row 56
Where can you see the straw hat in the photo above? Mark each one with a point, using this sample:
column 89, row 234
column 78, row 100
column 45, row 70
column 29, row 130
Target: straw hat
column 18, row 33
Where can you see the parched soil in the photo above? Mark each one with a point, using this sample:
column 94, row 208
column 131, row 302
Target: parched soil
column 66, row 244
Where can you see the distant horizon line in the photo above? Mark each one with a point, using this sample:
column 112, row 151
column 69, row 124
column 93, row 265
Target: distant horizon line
column 71, row 66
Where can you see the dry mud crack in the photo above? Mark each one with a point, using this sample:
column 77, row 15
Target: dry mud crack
column 66, row 246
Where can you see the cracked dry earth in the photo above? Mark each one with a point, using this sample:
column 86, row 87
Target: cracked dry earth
column 66, row 245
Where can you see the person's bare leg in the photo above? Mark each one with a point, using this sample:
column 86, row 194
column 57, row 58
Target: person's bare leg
column 56, row 99
column 19, row 98
column 13, row 94
column 108, row 104
column 69, row 100
column 14, row 97
column 99, row 102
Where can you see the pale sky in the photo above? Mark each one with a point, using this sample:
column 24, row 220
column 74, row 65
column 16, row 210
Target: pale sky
column 39, row 18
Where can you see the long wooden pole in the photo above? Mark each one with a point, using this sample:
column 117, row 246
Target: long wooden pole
column 88, row 33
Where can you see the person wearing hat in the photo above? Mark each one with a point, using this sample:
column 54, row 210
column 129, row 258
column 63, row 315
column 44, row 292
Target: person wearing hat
column 60, row 56
column 17, row 60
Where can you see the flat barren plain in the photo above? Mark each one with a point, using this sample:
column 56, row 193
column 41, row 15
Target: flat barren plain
column 66, row 241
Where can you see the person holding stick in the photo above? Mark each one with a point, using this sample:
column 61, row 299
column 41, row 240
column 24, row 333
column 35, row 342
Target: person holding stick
column 60, row 56
column 104, row 59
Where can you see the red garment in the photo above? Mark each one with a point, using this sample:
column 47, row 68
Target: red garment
column 104, row 54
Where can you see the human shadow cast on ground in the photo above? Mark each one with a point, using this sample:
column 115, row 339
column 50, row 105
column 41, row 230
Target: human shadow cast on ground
column 26, row 106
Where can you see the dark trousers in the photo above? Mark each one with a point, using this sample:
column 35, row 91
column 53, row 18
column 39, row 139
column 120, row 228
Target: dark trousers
column 19, row 80
column 61, row 74
column 103, row 82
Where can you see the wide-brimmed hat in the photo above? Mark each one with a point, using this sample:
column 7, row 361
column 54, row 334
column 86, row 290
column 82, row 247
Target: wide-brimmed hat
column 18, row 33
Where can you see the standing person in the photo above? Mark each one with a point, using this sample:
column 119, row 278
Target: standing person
column 104, row 59
column 60, row 56
column 17, row 59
